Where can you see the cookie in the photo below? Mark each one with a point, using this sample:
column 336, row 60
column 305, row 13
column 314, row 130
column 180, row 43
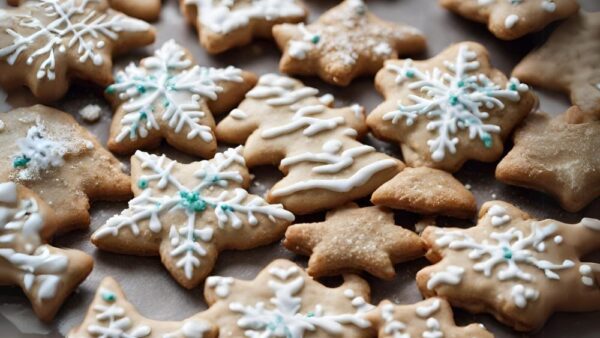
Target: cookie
column 512, row 19
column 282, row 122
column 568, row 62
column 46, row 274
column 354, row 239
column 225, row 24
column 426, row 191
column 167, row 96
column 148, row 10
column 347, row 41
column 555, row 157
column 48, row 152
column 111, row 315
column 431, row 318
column 449, row 109
column 515, row 267
column 45, row 44
column 283, row 301
column 187, row 213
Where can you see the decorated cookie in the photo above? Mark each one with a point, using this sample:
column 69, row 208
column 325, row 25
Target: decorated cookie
column 449, row 109
column 224, row 24
column 187, row 213
column 283, row 301
column 431, row 318
column 352, row 239
column 167, row 96
column 148, row 10
column 555, row 157
column 347, row 41
column 282, row 122
column 47, row 151
column 511, row 19
column 45, row 43
column 426, row 191
column 46, row 274
column 111, row 315
column 518, row 268
column 568, row 62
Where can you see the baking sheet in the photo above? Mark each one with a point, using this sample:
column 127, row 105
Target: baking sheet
column 149, row 286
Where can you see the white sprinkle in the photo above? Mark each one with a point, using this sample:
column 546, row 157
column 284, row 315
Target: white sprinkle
column 558, row 239
column 90, row 113
column 511, row 21
column 468, row 186
column 382, row 49
column 326, row 99
column 549, row 5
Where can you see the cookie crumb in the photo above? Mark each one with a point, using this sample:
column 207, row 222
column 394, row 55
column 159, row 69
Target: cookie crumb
column 90, row 113
column 494, row 196
column 468, row 186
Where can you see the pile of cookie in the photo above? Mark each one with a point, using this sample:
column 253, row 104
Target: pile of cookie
column 442, row 112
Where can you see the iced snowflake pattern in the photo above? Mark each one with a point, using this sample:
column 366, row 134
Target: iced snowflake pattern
column 76, row 26
column 453, row 101
column 113, row 321
column 168, row 82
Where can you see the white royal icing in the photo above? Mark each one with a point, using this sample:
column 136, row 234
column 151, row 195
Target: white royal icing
column 587, row 277
column 220, row 284
column 591, row 223
column 451, row 276
column 38, row 152
column 112, row 320
column 522, row 295
column 498, row 215
column 397, row 329
column 333, row 158
column 426, row 311
column 511, row 21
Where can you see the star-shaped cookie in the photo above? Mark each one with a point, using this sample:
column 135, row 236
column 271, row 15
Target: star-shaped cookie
column 431, row 318
column 188, row 213
column 347, row 41
column 46, row 274
column 148, row 10
column 568, row 62
column 224, row 24
column 167, row 96
column 515, row 267
column 511, row 19
column 353, row 239
column 111, row 315
column 47, row 151
column 555, row 157
column 45, row 43
column 449, row 109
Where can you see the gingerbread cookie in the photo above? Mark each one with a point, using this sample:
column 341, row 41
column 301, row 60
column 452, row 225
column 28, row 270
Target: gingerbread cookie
column 43, row 44
column 449, row 109
column 282, row 122
column 353, row 239
column 187, row 213
column 426, row 191
column 167, row 96
column 47, row 151
column 555, row 157
column 283, row 301
column 111, row 315
column 224, row 24
column 46, row 274
column 431, row 318
column 568, row 62
column 511, row 19
column 515, row 267
column 347, row 41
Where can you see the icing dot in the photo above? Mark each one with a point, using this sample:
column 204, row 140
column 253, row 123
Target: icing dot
column 142, row 183
column 109, row 297
column 558, row 239
column 511, row 21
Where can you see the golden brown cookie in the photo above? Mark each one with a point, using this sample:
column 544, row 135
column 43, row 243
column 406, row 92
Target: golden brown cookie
column 225, row 24
column 111, row 315
column 284, row 301
column 511, row 19
column 354, row 239
column 167, row 96
column 46, row 274
column 282, row 122
column 555, row 157
column 188, row 213
column 45, row 44
column 449, row 109
column 426, row 191
column 519, row 269
column 431, row 318
column 347, row 41
column 568, row 62
column 48, row 152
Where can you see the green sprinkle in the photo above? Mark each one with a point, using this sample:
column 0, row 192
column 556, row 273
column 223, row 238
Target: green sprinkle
column 143, row 116
column 226, row 207
column 142, row 183
column 192, row 201
column 507, row 253
column 109, row 297
column 110, row 90
column 487, row 140
column 454, row 100
column 141, row 89
column 310, row 314
column 315, row 39
column 460, row 84
column 513, row 87
column 410, row 74
column 21, row 161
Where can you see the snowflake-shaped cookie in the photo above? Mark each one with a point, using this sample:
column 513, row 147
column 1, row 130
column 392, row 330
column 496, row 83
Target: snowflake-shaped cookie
column 283, row 301
column 347, row 41
column 189, row 212
column 46, row 274
column 45, row 42
column 167, row 96
column 449, row 109
column 518, row 268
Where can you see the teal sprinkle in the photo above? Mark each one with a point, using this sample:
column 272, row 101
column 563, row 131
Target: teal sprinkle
column 21, row 161
column 513, row 87
column 453, row 100
column 410, row 74
column 460, row 84
column 315, row 39
column 110, row 90
column 507, row 253
column 141, row 89
column 143, row 116
column 192, row 201
column 109, row 297
column 310, row 314
column 487, row 140
column 215, row 179
column 142, row 183
column 166, row 103
column 226, row 207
